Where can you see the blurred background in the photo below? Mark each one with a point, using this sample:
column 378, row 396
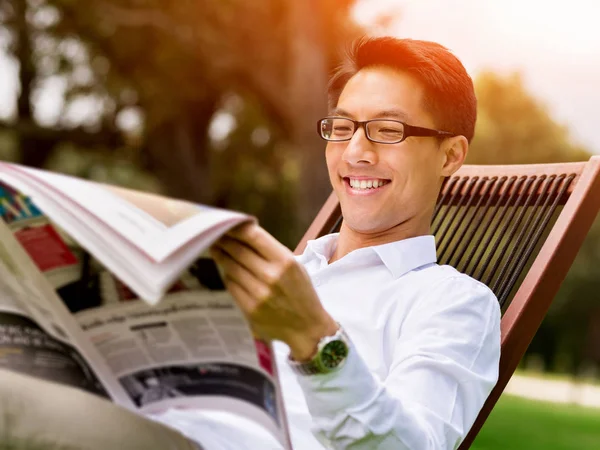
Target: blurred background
column 215, row 102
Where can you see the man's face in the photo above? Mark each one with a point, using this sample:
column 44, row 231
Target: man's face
column 408, row 174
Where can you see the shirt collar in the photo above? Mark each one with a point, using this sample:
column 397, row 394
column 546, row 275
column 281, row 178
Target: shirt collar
column 321, row 249
column 399, row 257
column 403, row 256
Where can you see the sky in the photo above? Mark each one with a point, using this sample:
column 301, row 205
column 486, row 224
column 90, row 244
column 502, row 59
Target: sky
column 554, row 44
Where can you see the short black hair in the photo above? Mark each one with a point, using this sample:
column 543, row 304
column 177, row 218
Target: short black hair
column 449, row 91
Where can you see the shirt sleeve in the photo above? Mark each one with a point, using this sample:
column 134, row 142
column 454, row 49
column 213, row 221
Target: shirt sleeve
column 445, row 364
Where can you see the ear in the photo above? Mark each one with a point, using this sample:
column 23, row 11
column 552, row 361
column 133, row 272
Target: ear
column 455, row 151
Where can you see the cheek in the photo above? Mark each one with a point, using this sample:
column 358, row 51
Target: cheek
column 416, row 175
column 332, row 159
column 422, row 188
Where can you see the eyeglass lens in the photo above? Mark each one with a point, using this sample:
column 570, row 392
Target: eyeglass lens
column 340, row 129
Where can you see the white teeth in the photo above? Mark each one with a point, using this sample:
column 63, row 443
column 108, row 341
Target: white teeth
column 365, row 184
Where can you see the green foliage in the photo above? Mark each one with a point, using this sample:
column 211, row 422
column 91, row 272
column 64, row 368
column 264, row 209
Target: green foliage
column 567, row 340
column 513, row 127
column 8, row 147
column 103, row 168
column 254, row 170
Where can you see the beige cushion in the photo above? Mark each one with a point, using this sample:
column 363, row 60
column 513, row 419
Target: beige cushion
column 41, row 414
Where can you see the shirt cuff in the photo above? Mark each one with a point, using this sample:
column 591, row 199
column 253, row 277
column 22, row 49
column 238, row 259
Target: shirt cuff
column 349, row 388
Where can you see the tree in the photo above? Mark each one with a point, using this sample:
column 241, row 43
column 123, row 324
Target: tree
column 27, row 35
column 173, row 65
column 515, row 127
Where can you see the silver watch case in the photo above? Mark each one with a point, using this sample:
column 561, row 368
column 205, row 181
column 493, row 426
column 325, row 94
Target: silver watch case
column 317, row 364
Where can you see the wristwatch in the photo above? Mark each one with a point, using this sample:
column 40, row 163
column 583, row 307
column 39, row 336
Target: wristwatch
column 332, row 352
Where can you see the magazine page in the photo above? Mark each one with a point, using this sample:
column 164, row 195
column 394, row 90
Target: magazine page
column 35, row 338
column 192, row 350
column 148, row 240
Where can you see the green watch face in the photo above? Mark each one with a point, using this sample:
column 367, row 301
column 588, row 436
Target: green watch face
column 333, row 354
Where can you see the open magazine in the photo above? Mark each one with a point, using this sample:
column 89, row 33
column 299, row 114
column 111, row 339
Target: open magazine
column 107, row 290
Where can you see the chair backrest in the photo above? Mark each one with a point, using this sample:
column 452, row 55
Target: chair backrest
column 516, row 228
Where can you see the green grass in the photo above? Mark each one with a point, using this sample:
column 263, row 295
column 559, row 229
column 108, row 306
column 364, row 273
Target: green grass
column 519, row 424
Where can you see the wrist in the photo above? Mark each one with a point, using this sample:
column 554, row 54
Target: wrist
column 331, row 354
column 304, row 346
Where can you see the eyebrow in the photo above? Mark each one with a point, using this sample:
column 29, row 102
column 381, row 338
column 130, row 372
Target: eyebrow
column 385, row 114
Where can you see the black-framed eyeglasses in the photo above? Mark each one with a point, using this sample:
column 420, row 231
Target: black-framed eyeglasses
column 382, row 131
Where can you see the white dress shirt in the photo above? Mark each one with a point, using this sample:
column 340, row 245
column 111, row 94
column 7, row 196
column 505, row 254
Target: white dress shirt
column 426, row 348
column 424, row 356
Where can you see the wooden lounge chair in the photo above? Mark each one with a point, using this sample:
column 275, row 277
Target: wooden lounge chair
column 516, row 228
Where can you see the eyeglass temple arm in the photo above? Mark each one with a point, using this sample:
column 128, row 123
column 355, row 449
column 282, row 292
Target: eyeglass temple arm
column 410, row 130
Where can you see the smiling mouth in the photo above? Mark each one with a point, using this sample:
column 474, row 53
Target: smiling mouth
column 365, row 184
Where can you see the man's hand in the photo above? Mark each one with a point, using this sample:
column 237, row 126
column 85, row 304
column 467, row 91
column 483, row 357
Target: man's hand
column 272, row 289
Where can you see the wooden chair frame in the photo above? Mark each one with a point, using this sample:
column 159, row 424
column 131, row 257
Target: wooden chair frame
column 524, row 314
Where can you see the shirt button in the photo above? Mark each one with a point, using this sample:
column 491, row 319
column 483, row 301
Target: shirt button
column 316, row 281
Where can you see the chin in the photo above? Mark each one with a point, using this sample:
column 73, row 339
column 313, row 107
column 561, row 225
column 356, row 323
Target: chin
column 364, row 226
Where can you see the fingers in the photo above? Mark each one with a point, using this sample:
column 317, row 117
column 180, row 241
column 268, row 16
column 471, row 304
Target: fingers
column 240, row 282
column 241, row 253
column 259, row 240
column 243, row 299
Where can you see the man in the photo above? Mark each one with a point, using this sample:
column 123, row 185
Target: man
column 416, row 345
column 378, row 347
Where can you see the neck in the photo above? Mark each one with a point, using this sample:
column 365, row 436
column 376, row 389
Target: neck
column 351, row 239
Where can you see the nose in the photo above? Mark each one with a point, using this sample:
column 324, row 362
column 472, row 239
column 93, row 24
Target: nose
column 359, row 149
